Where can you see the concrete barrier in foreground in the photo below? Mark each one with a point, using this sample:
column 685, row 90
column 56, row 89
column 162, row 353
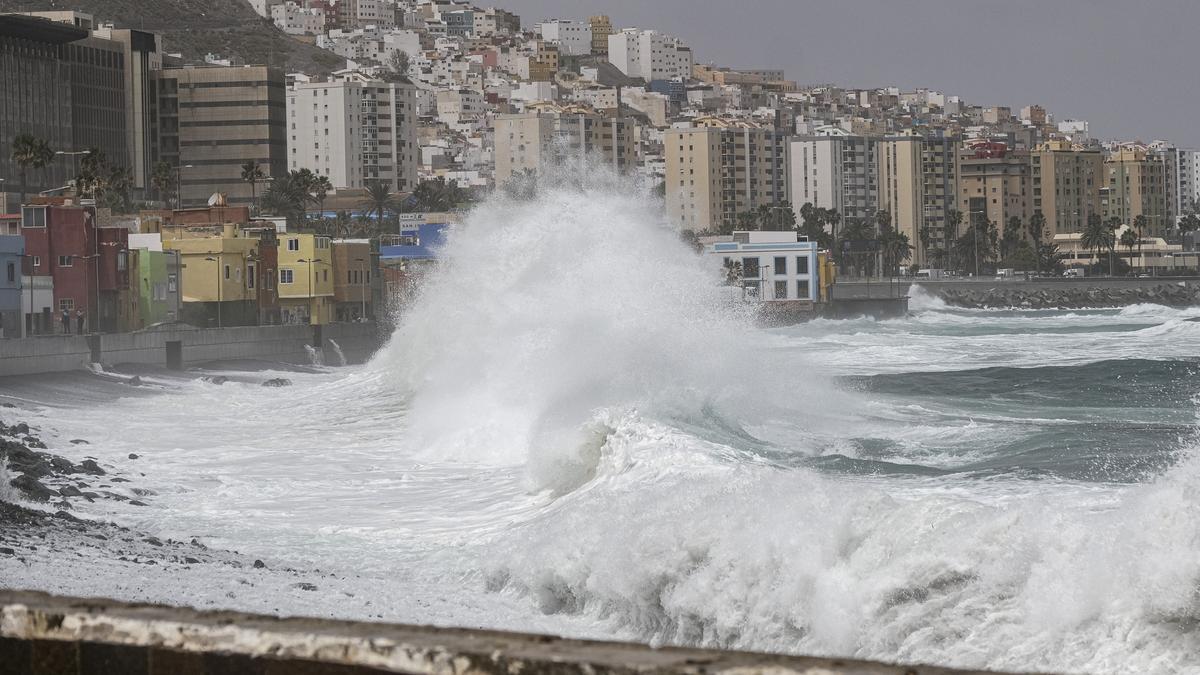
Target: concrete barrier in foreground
column 44, row 634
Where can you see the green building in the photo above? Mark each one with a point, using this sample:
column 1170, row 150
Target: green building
column 158, row 286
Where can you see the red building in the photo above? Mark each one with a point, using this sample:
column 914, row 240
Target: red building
column 89, row 265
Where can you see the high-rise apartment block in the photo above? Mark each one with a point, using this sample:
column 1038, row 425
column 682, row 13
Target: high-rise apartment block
column 918, row 183
column 355, row 131
column 213, row 120
column 1066, row 181
column 650, row 55
column 721, row 169
column 1136, row 186
column 836, row 171
column 994, row 184
column 548, row 134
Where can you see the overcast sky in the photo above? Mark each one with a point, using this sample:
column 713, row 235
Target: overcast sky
column 1129, row 67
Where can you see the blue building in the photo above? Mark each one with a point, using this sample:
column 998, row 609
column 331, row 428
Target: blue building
column 675, row 90
column 12, row 247
column 772, row 266
column 416, row 242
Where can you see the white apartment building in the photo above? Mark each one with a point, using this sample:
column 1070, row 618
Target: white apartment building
column 263, row 7
column 650, row 55
column 293, row 19
column 363, row 13
column 834, row 171
column 457, row 107
column 1185, row 171
column 354, row 130
column 572, row 37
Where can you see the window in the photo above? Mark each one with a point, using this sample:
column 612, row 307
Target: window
column 781, row 265
column 172, row 283
column 285, row 276
column 12, row 272
column 325, row 275
column 65, row 261
column 802, row 289
column 66, row 304
column 227, row 273
column 749, row 268
column 37, row 261
column 293, row 245
column 781, row 290
column 250, row 276
column 33, row 216
column 801, row 264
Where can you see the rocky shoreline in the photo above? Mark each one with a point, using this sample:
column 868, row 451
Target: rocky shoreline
column 1171, row 294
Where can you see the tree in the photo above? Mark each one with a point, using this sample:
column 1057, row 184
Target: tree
column 1129, row 239
column 1189, row 223
column 252, row 173
column 1011, row 237
column 162, row 178
column 1098, row 236
column 286, row 196
column 950, row 236
column 896, row 249
column 733, row 272
column 25, row 153
column 319, row 189
column 379, row 201
column 1139, row 224
column 436, row 196
column 397, row 67
column 1037, row 232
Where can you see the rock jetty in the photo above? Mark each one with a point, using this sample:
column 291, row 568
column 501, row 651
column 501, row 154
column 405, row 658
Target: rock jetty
column 1172, row 294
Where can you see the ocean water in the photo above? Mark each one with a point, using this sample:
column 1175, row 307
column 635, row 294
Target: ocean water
column 570, row 432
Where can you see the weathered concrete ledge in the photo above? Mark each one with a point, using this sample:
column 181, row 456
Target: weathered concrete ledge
column 41, row 633
column 181, row 345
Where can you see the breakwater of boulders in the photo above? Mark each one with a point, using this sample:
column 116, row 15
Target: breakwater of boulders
column 1171, row 294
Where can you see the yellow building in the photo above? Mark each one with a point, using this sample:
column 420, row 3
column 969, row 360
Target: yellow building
column 306, row 278
column 220, row 277
column 601, row 28
column 918, row 187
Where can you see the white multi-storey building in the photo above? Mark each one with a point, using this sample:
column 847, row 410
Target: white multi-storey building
column 572, row 37
column 650, row 55
column 293, row 19
column 363, row 13
column 354, row 130
column 1186, row 173
column 834, row 171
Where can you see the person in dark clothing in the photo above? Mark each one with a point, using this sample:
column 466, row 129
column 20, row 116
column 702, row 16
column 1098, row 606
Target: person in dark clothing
column 79, row 321
column 66, row 319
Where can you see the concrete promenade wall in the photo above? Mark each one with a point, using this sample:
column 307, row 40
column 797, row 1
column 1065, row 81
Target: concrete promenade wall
column 287, row 344
column 49, row 635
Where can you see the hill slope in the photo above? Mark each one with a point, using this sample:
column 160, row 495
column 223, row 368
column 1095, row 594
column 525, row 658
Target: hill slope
column 229, row 28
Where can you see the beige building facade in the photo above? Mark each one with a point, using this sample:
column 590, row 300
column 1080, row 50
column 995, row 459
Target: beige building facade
column 548, row 134
column 1137, row 186
column 1066, row 181
column 994, row 184
column 212, row 120
column 721, row 169
column 918, row 186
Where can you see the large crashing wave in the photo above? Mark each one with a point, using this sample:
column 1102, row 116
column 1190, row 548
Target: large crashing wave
column 574, row 334
column 548, row 314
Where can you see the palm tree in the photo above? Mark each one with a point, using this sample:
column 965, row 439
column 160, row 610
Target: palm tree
column 320, row 189
column 286, row 197
column 252, row 173
column 379, row 201
column 1129, row 239
column 1037, row 230
column 43, row 156
column 25, row 153
column 896, row 249
column 1098, row 236
column 1139, row 224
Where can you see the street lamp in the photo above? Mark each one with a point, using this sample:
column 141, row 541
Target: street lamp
column 179, row 184
column 364, row 286
column 220, row 281
column 74, row 163
column 312, row 287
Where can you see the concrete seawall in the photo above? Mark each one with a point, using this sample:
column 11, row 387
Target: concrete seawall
column 178, row 347
column 40, row 633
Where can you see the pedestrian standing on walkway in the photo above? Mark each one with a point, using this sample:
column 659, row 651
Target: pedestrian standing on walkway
column 66, row 319
column 79, row 321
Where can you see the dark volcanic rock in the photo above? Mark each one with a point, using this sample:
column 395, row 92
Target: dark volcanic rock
column 277, row 382
column 215, row 379
column 32, row 487
column 133, row 456
column 79, row 441
column 90, row 466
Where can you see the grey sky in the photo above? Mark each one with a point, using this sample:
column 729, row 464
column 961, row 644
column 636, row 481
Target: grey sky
column 1130, row 67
